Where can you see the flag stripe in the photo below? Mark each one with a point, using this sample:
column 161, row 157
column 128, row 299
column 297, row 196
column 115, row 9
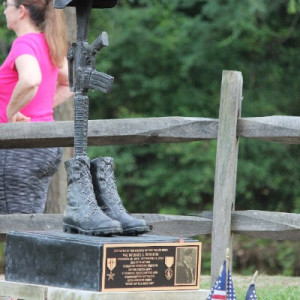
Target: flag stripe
column 221, row 293
column 223, row 297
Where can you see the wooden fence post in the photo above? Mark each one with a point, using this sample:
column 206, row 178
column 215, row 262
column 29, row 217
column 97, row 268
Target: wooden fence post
column 226, row 168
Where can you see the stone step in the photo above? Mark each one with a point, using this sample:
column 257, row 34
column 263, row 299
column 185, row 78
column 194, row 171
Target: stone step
column 23, row 291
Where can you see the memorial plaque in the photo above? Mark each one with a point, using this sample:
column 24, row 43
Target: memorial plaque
column 151, row 266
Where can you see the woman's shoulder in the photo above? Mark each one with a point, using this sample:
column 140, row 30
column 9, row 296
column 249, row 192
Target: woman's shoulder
column 30, row 38
column 29, row 42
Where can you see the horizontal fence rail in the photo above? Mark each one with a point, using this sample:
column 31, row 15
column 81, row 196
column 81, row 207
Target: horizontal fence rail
column 283, row 129
column 109, row 132
column 259, row 224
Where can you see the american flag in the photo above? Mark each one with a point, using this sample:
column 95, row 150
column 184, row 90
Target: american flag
column 251, row 294
column 218, row 291
column 230, row 288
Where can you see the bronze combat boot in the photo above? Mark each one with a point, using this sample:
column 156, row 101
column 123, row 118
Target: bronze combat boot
column 82, row 214
column 102, row 171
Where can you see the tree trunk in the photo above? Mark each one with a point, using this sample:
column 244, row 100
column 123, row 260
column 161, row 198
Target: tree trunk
column 57, row 194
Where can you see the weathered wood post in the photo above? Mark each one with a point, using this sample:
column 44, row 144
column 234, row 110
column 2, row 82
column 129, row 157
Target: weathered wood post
column 226, row 167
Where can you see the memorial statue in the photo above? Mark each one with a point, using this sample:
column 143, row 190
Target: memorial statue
column 94, row 206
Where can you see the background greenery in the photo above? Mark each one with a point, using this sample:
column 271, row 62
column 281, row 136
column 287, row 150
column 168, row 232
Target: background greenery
column 167, row 58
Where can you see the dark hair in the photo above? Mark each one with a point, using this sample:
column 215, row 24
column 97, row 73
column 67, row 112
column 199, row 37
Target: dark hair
column 52, row 23
column 188, row 251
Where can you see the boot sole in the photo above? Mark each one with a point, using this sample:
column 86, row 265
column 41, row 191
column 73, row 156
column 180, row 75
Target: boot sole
column 102, row 232
column 135, row 230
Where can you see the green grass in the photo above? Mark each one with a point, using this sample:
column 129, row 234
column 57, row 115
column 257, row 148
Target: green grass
column 2, row 257
column 267, row 287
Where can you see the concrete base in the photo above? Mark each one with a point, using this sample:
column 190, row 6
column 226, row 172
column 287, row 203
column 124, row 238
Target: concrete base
column 23, row 291
column 55, row 258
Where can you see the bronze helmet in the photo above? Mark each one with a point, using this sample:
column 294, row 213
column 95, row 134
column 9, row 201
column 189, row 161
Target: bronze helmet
column 96, row 3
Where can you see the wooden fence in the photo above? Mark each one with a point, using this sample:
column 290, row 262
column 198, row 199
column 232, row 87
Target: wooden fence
column 223, row 221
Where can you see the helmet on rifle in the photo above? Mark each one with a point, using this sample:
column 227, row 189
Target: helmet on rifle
column 96, row 3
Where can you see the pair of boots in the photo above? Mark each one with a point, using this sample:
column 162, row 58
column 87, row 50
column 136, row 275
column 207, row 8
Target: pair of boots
column 93, row 204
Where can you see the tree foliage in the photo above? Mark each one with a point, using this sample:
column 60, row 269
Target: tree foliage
column 167, row 58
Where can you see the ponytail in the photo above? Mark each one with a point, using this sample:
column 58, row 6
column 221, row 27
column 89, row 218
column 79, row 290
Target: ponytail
column 56, row 34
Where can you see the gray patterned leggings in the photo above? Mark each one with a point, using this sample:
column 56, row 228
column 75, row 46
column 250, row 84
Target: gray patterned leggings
column 25, row 175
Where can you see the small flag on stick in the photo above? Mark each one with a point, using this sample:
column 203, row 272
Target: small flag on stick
column 230, row 292
column 251, row 294
column 230, row 288
column 223, row 287
column 218, row 291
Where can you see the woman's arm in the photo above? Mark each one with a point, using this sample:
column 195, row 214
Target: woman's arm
column 30, row 77
column 62, row 88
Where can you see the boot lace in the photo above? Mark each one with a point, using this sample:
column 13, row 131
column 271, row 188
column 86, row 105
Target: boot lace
column 88, row 192
column 110, row 188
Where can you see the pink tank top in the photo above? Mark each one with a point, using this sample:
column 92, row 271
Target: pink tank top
column 40, row 109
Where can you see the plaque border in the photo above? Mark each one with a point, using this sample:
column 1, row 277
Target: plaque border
column 195, row 286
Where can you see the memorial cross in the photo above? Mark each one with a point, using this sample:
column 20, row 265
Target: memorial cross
column 82, row 73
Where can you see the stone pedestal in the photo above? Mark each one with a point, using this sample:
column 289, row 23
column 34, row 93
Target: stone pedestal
column 55, row 258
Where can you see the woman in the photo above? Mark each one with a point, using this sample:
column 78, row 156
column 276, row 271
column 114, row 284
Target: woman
column 33, row 80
